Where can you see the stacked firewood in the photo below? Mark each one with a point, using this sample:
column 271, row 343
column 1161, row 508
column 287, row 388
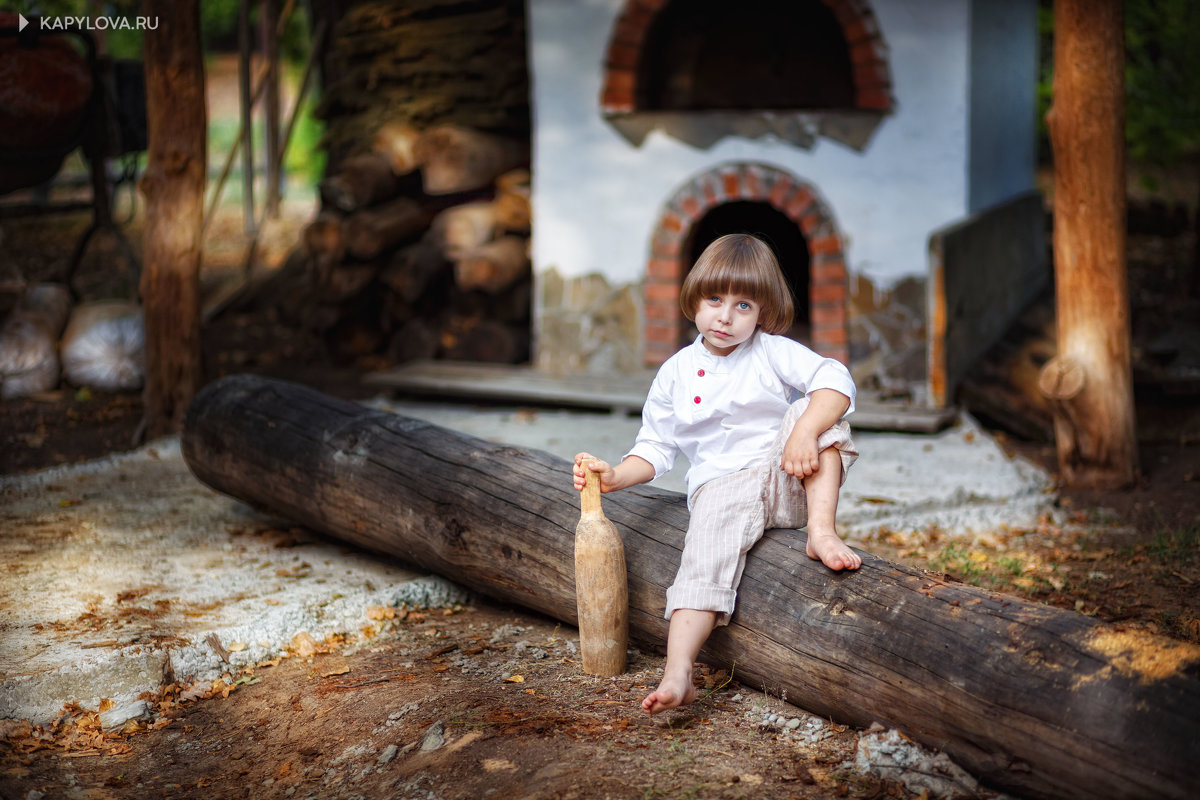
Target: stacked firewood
column 421, row 247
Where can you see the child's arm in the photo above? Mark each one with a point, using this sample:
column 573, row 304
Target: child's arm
column 825, row 408
column 630, row 472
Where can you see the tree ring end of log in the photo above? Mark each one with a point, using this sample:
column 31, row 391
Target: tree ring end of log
column 1061, row 378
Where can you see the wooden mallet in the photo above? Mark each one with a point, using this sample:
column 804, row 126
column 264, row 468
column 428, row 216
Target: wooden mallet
column 601, row 589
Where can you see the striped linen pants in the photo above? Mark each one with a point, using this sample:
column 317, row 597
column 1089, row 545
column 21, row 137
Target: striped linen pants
column 730, row 513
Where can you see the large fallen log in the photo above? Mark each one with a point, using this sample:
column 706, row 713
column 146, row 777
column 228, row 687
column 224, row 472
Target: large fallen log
column 1031, row 699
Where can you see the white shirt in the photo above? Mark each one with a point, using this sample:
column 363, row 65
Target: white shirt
column 723, row 412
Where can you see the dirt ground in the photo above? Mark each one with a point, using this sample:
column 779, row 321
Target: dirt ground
column 480, row 702
column 489, row 701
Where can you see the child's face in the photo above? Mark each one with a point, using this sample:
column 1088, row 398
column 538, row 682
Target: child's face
column 725, row 321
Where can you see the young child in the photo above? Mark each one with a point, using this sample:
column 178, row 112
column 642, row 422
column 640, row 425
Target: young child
column 760, row 418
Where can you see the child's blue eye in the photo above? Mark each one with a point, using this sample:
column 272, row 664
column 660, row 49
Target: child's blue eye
column 744, row 306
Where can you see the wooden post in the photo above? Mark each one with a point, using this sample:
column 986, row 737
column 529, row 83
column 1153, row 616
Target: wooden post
column 173, row 186
column 1094, row 426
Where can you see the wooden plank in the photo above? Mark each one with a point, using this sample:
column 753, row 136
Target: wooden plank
column 499, row 383
column 515, row 384
column 1034, row 700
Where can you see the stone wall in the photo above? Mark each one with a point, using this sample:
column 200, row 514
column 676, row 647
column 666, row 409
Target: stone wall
column 585, row 324
column 888, row 333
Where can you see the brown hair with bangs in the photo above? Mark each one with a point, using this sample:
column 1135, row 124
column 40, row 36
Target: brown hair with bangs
column 739, row 263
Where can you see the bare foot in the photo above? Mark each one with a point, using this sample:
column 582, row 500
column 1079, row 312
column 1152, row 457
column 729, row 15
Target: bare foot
column 830, row 550
column 669, row 694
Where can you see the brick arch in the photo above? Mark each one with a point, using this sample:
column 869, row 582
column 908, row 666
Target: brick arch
column 664, row 323
column 868, row 55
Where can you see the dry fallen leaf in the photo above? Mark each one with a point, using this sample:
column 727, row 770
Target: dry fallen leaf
column 515, row 679
column 380, row 612
column 303, row 644
column 342, row 670
column 236, row 647
column 303, row 570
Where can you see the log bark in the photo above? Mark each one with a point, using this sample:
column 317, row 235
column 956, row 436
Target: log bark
column 1095, row 430
column 495, row 266
column 462, row 228
column 457, row 159
column 513, row 208
column 346, row 280
column 322, row 238
column 513, row 305
column 396, row 142
column 324, row 243
column 173, row 186
column 483, row 339
column 416, row 340
column 412, row 268
column 360, row 182
column 368, row 233
column 1031, row 699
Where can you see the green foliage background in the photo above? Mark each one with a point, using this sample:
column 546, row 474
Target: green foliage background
column 1162, row 79
column 218, row 26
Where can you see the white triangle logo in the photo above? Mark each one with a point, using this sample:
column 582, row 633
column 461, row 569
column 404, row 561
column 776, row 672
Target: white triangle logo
column 21, row 22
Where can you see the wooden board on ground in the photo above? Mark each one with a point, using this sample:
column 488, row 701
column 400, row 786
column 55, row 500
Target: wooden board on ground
column 622, row 394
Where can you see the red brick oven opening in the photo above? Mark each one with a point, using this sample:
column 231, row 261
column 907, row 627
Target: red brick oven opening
column 757, row 55
column 748, row 198
column 753, row 54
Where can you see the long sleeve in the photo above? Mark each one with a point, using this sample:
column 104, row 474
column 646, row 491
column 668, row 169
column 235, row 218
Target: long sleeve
column 656, row 439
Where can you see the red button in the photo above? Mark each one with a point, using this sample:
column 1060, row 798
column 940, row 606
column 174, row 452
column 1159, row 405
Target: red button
column 700, row 373
column 697, row 398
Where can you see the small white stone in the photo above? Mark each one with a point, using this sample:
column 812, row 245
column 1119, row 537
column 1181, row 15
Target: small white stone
column 793, row 723
column 118, row 715
column 435, row 737
column 388, row 753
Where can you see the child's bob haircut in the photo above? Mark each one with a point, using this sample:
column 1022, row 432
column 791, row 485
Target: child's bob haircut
column 739, row 263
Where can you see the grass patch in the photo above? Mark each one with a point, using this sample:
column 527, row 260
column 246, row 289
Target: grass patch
column 1176, row 544
column 978, row 567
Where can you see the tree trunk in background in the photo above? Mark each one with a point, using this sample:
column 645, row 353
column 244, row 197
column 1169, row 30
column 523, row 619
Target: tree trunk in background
column 173, row 186
column 1090, row 383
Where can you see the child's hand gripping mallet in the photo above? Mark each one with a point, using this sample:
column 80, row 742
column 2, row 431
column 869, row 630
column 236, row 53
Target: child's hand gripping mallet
column 601, row 590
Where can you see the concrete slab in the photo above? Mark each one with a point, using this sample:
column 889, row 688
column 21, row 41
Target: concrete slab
column 123, row 573
column 120, row 574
